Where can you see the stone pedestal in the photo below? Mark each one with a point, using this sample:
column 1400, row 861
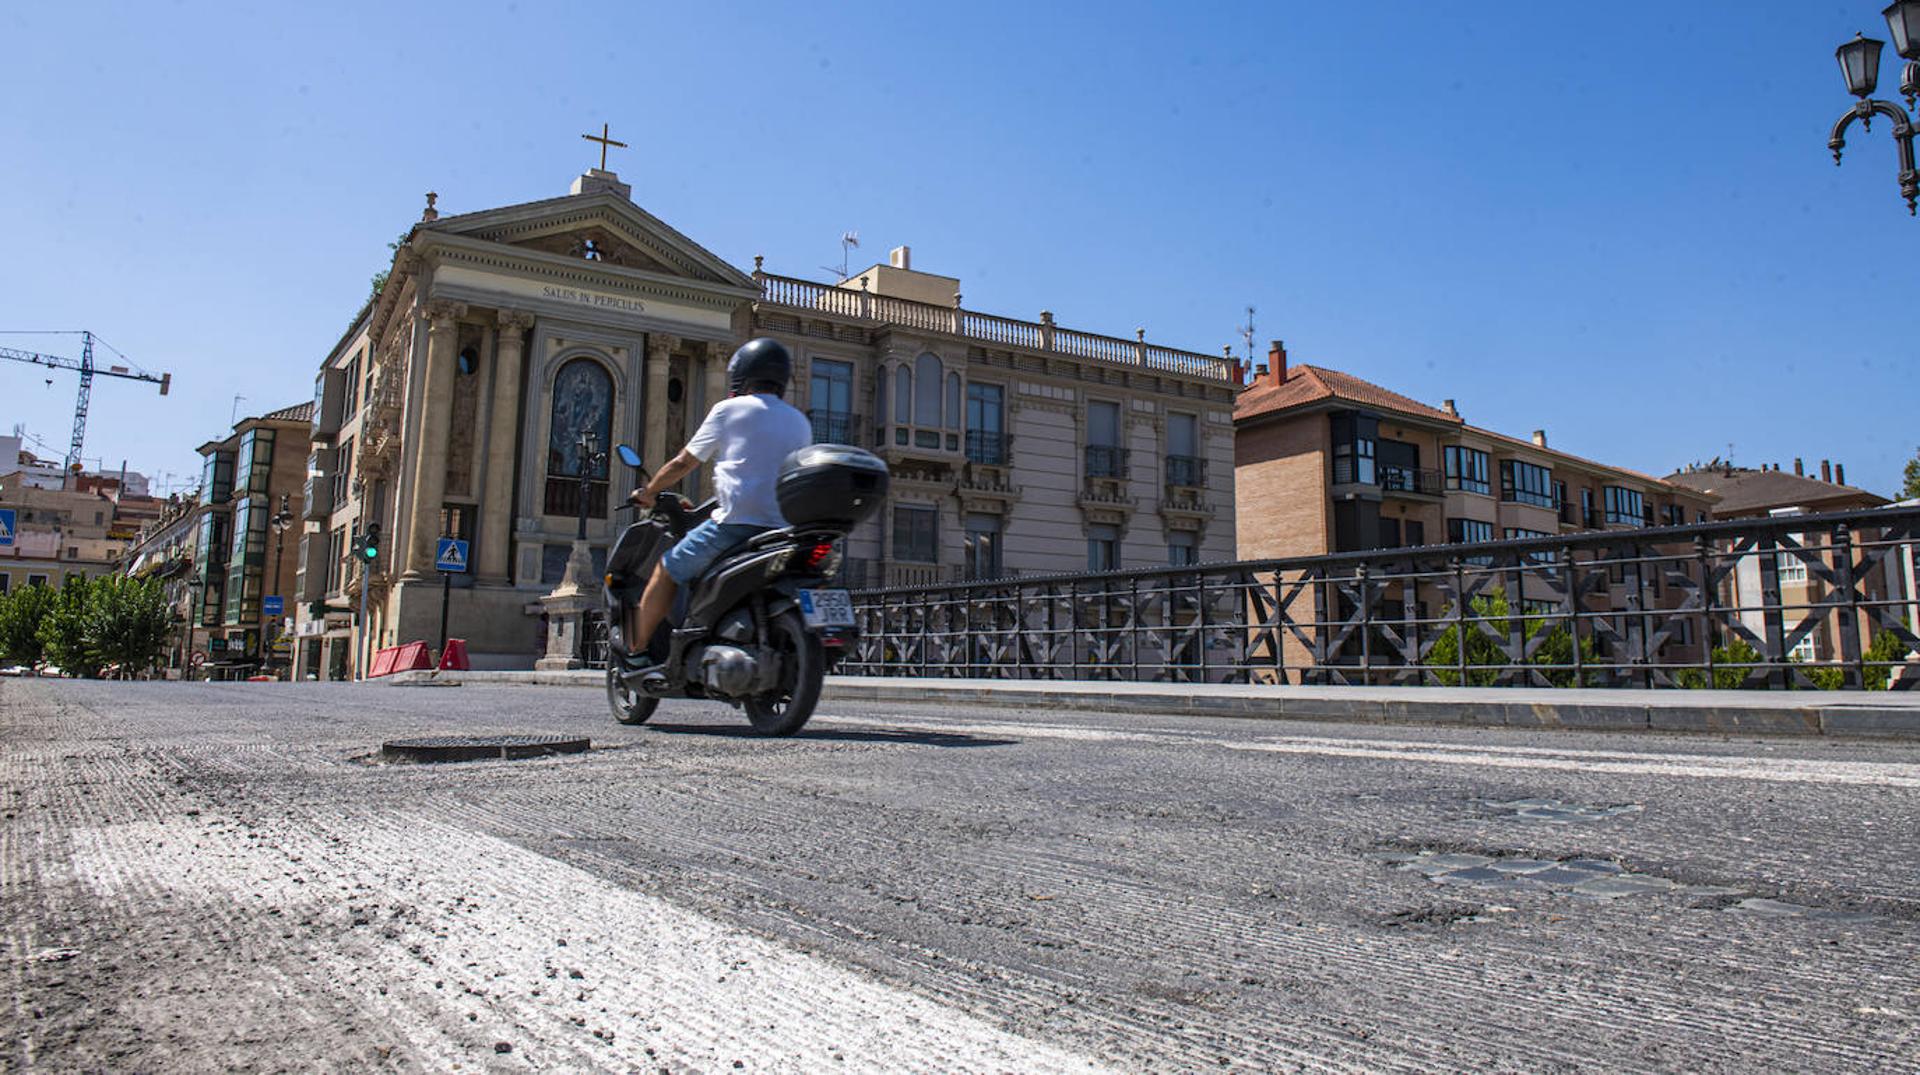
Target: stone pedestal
column 566, row 609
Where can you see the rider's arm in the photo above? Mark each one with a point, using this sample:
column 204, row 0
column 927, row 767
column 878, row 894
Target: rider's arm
column 668, row 476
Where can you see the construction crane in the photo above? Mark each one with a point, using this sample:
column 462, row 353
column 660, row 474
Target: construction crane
column 87, row 369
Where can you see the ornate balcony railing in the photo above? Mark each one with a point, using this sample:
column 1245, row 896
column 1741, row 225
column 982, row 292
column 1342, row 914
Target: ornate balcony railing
column 1684, row 606
column 1041, row 335
column 834, row 427
column 1186, row 470
column 1106, row 461
column 987, row 447
column 563, row 498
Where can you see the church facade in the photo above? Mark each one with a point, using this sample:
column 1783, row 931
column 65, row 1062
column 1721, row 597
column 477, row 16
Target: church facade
column 455, row 404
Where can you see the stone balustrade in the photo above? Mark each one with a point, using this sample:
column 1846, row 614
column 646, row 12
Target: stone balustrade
column 1042, row 335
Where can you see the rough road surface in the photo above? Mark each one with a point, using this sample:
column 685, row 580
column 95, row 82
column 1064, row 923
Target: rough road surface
column 199, row 877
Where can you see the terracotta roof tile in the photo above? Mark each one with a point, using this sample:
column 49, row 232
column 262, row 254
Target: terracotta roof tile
column 1310, row 384
column 1746, row 491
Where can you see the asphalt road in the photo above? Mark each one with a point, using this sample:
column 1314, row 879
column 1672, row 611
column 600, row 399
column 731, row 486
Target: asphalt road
column 200, row 876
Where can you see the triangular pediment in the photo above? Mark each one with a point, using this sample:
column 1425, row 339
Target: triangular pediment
column 602, row 228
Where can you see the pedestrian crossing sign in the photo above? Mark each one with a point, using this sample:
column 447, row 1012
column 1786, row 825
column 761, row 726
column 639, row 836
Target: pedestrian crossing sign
column 451, row 556
column 6, row 527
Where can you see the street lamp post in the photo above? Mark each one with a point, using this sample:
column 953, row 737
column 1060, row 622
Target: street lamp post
column 282, row 520
column 590, row 460
column 193, row 614
column 1860, row 66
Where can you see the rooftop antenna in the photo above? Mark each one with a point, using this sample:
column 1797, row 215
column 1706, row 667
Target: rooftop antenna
column 849, row 240
column 234, row 411
column 1247, row 335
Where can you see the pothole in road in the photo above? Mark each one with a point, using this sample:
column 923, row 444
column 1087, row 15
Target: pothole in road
column 1597, row 879
column 1556, row 812
column 456, row 748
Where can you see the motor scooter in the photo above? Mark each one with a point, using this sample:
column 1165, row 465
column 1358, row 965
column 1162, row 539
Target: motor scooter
column 759, row 629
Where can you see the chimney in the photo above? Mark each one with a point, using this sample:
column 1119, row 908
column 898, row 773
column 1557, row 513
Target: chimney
column 1539, row 438
column 1277, row 359
column 1826, row 471
column 1447, row 405
column 900, row 257
column 1839, row 474
column 1798, row 470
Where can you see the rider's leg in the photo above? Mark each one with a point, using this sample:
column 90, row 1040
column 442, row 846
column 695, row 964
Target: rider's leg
column 654, row 605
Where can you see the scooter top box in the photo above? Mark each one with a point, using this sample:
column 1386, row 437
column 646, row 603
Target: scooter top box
column 831, row 485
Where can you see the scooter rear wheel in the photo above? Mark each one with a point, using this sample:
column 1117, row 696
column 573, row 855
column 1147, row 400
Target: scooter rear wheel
column 785, row 709
column 629, row 706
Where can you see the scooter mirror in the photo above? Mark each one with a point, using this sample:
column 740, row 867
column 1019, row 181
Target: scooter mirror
column 628, row 455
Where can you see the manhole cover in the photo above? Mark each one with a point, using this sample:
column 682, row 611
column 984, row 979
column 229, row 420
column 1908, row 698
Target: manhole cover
column 477, row 747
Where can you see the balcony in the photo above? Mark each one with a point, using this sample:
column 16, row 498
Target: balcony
column 834, row 427
column 1187, row 471
column 563, row 498
column 1106, row 461
column 987, row 448
column 1414, row 481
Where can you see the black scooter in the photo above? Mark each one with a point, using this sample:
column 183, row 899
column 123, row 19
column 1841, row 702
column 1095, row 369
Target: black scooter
column 758, row 629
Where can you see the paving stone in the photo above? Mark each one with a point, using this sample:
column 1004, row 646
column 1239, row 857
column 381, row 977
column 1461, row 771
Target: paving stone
column 1624, row 885
column 1522, row 865
column 1470, row 875
column 1459, row 860
column 1776, row 908
column 1593, row 865
column 1560, row 877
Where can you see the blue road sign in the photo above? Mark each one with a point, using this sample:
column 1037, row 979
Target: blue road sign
column 272, row 605
column 452, row 555
column 6, row 526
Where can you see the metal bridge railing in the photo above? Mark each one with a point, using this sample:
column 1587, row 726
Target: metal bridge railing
column 1806, row 601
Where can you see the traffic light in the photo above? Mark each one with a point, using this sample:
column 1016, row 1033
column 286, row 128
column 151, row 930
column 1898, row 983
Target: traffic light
column 370, row 543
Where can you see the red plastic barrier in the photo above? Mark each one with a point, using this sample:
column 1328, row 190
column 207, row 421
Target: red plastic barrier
column 383, row 662
column 405, row 658
column 454, row 657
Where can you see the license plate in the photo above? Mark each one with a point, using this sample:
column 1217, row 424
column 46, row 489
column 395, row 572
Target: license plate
column 826, row 608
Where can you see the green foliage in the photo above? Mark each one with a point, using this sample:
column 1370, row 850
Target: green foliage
column 1911, row 486
column 1484, row 655
column 1736, row 652
column 1888, row 648
column 21, row 612
column 63, row 631
column 127, row 623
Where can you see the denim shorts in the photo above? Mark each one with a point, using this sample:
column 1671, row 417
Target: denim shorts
column 703, row 545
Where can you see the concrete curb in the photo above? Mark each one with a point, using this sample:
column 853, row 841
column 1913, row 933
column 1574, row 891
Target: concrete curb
column 1629, row 710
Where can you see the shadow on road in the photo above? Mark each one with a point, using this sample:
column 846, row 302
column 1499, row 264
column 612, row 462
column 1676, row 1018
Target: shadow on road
column 841, row 735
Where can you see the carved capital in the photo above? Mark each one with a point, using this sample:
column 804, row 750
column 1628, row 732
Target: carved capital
column 660, row 346
column 443, row 315
column 515, row 321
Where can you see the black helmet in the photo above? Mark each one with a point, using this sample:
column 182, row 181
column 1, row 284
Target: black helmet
column 760, row 361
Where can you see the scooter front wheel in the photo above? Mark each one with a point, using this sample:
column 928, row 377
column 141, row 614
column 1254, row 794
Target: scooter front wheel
column 785, row 709
column 629, row 706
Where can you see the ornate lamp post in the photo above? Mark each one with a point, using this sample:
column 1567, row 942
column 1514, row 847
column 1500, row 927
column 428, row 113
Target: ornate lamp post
column 591, row 459
column 281, row 521
column 1860, row 66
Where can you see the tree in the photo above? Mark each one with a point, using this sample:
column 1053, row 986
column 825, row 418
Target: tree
column 21, row 612
column 127, row 622
column 1736, row 652
column 1911, row 488
column 63, row 631
column 1484, row 655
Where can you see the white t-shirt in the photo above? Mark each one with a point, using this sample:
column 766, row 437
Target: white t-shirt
column 751, row 435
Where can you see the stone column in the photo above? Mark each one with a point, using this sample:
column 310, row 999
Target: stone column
column 655, row 450
column 717, row 355
column 430, row 455
column 497, row 501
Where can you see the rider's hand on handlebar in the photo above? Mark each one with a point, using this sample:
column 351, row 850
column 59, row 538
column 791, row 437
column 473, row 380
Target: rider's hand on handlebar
column 641, row 498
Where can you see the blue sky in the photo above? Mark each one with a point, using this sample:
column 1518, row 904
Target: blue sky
column 1620, row 224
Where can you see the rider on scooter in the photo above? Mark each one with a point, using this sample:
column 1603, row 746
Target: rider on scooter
column 747, row 436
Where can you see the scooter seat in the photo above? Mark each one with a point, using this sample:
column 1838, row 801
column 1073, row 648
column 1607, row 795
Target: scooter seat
column 771, row 537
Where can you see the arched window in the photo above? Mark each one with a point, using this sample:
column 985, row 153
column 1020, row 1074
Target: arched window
column 926, row 403
column 880, row 396
column 903, row 396
column 953, row 401
column 582, row 400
